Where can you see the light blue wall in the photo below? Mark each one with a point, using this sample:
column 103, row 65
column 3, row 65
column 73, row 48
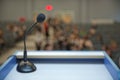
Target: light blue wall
column 85, row 10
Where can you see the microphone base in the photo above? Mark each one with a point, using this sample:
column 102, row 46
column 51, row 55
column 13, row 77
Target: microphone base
column 26, row 67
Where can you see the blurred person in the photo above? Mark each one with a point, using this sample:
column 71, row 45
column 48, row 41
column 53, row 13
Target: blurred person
column 65, row 44
column 20, row 33
column 72, row 37
column 75, row 30
column 50, row 21
column 82, row 32
column 87, row 44
column 60, row 37
column 81, row 43
column 96, row 37
column 10, row 35
column 115, row 52
column 46, row 29
column 113, row 45
column 61, row 43
column 67, row 29
column 74, row 47
column 10, row 27
column 2, row 41
column 92, row 31
column 16, row 31
column 97, row 41
column 51, row 34
column 39, row 38
column 24, row 27
column 48, row 47
column 107, row 49
column 100, row 39
column 57, row 20
column 57, row 23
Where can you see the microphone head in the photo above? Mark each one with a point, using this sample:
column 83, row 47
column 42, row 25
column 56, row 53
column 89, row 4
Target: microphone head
column 40, row 18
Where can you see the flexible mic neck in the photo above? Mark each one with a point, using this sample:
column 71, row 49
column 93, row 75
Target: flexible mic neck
column 25, row 35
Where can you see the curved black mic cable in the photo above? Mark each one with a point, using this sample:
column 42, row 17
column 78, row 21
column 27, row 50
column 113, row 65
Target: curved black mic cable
column 26, row 32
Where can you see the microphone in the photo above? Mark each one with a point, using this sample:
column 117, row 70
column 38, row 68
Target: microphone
column 25, row 66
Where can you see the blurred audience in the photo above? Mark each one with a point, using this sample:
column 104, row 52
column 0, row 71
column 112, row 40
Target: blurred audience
column 55, row 34
column 17, row 31
column 64, row 38
column 69, row 37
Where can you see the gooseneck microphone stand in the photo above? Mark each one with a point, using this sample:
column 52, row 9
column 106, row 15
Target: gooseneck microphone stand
column 25, row 66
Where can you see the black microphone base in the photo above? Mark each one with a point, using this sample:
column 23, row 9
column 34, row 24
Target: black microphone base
column 26, row 67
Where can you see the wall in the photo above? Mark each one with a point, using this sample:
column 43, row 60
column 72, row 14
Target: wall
column 12, row 9
column 84, row 10
column 102, row 9
column 59, row 6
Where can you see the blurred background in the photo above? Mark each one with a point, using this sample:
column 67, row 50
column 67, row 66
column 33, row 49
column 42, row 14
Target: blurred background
column 80, row 25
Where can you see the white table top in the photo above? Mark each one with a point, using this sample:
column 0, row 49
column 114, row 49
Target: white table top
column 63, row 72
column 62, row 54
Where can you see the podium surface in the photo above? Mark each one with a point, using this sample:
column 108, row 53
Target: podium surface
column 62, row 65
